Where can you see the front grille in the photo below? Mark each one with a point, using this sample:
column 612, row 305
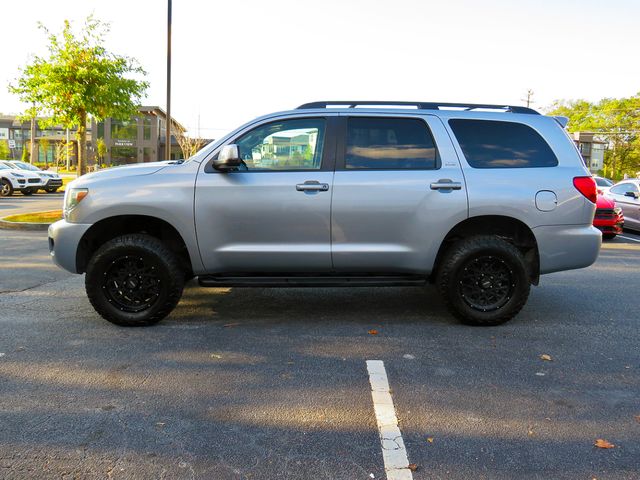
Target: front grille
column 34, row 180
column 605, row 213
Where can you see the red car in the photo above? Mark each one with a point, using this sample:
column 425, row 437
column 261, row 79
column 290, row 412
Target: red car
column 608, row 219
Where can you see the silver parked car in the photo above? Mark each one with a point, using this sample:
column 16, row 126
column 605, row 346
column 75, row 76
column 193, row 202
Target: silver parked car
column 626, row 193
column 478, row 199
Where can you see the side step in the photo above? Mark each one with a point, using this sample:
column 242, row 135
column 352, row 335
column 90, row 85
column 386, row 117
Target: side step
column 312, row 281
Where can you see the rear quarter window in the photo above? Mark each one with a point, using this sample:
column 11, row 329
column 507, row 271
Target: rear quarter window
column 496, row 144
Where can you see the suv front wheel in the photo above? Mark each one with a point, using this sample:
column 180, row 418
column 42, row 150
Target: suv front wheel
column 483, row 280
column 134, row 280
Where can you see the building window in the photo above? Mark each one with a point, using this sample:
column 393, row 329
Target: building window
column 124, row 130
column 146, row 155
column 146, row 126
column 124, row 155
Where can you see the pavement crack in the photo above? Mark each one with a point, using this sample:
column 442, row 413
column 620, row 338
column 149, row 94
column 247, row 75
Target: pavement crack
column 28, row 288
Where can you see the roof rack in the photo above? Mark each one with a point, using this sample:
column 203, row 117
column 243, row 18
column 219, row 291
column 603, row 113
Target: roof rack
column 422, row 105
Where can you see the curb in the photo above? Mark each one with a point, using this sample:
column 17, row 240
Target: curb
column 24, row 226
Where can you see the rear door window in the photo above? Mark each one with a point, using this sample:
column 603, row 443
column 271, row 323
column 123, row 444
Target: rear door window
column 387, row 143
column 496, row 144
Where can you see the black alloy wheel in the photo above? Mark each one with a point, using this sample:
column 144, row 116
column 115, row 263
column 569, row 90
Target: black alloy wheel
column 484, row 280
column 486, row 283
column 134, row 280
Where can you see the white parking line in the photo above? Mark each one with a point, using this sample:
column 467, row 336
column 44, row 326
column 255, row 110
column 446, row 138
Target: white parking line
column 394, row 454
column 629, row 238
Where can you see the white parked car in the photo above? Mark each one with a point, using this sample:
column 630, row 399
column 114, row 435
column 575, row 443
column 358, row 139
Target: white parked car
column 14, row 179
column 52, row 181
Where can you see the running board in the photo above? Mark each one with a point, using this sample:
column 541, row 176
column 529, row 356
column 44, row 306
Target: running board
column 312, row 281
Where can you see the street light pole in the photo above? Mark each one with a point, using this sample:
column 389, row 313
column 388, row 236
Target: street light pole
column 167, row 149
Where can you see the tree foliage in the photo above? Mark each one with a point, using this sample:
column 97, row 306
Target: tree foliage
column 614, row 120
column 101, row 149
column 79, row 78
column 5, row 152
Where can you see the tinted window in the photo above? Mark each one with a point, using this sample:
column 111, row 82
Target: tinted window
column 493, row 144
column 287, row 145
column 623, row 188
column 389, row 143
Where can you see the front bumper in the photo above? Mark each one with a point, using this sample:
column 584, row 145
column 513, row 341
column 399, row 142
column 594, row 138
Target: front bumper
column 53, row 183
column 64, row 238
column 609, row 223
column 566, row 247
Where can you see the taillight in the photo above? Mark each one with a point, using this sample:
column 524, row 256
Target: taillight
column 587, row 187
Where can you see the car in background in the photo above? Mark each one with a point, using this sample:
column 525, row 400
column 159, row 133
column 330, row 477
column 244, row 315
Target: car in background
column 609, row 218
column 52, row 181
column 603, row 184
column 626, row 194
column 14, row 179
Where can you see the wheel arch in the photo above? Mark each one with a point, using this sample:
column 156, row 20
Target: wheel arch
column 511, row 229
column 112, row 227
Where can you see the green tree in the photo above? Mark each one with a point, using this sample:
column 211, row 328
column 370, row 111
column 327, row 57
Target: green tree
column 25, row 153
column 78, row 79
column 5, row 151
column 43, row 146
column 615, row 120
column 101, row 149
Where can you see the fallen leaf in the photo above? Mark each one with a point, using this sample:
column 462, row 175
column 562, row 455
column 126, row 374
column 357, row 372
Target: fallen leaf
column 600, row 443
column 227, row 325
column 413, row 467
column 215, row 355
column 430, row 439
column 373, row 332
column 637, row 417
column 546, row 357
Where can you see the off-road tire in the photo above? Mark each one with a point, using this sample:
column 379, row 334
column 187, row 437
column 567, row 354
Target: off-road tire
column 465, row 261
column 155, row 257
column 6, row 189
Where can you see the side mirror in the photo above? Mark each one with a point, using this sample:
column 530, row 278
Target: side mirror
column 228, row 158
column 631, row 194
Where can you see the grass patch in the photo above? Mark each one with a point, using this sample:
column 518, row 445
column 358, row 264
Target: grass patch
column 65, row 180
column 36, row 217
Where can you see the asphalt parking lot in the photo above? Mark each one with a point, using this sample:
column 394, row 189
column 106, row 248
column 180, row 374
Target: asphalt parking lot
column 273, row 384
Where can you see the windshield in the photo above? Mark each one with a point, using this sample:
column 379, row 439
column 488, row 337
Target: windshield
column 603, row 182
column 26, row 166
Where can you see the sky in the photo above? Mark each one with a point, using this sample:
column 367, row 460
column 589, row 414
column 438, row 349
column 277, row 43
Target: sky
column 235, row 60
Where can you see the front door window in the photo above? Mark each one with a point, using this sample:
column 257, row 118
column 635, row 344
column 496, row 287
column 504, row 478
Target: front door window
column 285, row 145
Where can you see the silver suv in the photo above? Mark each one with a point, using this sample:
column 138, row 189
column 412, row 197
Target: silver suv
column 478, row 199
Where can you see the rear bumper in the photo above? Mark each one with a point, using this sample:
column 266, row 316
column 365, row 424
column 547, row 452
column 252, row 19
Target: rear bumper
column 567, row 247
column 64, row 238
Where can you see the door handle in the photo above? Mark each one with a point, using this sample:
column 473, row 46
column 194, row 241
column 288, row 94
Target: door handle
column 446, row 184
column 312, row 186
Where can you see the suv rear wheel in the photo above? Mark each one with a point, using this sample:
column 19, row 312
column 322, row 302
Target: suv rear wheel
column 484, row 280
column 134, row 280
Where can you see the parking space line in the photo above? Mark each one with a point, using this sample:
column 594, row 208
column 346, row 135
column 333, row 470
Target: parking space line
column 394, row 453
column 629, row 238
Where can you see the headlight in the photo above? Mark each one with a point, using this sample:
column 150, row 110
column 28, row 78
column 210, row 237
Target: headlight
column 73, row 197
column 19, row 175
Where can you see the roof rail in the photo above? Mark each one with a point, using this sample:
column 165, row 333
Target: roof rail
column 422, row 105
